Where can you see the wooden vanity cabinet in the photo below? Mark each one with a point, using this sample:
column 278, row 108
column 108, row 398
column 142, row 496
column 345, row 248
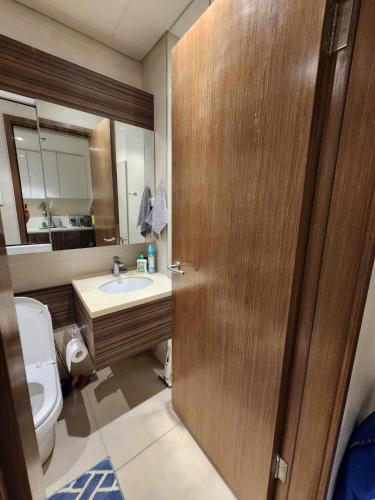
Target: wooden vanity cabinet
column 117, row 335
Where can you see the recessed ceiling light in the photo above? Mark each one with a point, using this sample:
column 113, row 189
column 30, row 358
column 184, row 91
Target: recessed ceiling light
column 19, row 138
column 21, row 156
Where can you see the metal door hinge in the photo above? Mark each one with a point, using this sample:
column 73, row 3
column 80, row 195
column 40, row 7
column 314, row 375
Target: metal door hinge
column 280, row 469
column 340, row 25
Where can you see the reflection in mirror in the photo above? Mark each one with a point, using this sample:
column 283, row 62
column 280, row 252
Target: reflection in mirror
column 95, row 174
column 66, row 136
column 135, row 171
column 70, row 179
column 22, row 192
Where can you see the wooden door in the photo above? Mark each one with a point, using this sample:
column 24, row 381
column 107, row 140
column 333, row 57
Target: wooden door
column 244, row 87
column 103, row 180
column 20, row 467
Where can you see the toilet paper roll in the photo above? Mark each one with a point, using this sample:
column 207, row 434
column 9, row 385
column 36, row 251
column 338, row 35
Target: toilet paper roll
column 76, row 351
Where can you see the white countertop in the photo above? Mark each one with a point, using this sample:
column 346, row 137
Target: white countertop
column 59, row 229
column 98, row 303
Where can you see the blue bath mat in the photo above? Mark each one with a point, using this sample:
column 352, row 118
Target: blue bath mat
column 98, row 483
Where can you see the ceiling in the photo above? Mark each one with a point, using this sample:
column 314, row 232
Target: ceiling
column 130, row 26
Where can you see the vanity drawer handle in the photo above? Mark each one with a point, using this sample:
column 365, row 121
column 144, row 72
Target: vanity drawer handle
column 109, row 239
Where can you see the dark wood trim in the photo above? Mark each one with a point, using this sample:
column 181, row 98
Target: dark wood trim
column 59, row 300
column 331, row 330
column 334, row 73
column 9, row 122
column 20, row 466
column 118, row 335
column 33, row 73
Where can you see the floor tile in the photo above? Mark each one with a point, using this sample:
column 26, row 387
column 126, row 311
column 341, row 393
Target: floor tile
column 78, row 443
column 174, row 467
column 131, row 433
column 123, row 386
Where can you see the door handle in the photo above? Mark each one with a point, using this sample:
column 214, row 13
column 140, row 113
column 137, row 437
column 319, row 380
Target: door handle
column 109, row 240
column 175, row 268
column 134, row 193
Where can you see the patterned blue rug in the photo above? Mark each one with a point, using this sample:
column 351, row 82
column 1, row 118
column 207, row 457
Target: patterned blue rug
column 99, row 483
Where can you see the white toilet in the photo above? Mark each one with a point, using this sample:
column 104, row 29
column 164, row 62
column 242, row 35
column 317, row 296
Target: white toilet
column 35, row 326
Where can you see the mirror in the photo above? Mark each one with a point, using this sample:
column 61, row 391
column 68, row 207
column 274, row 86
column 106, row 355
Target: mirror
column 22, row 193
column 70, row 179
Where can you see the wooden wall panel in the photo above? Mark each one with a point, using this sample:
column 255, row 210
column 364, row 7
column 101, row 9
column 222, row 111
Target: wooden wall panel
column 244, row 92
column 59, row 300
column 33, row 73
column 104, row 184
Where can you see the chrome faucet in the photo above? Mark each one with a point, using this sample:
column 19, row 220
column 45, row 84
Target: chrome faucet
column 118, row 266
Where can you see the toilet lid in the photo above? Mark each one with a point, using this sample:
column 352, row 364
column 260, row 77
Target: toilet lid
column 36, row 332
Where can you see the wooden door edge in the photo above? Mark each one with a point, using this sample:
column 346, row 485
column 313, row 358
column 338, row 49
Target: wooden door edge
column 329, row 110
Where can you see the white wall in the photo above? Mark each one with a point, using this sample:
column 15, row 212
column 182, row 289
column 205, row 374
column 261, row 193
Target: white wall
column 361, row 395
column 42, row 270
column 155, row 81
column 70, row 116
column 43, row 33
column 189, row 16
column 171, row 42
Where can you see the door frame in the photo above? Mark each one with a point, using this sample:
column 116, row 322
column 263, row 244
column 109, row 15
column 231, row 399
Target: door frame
column 20, row 467
column 327, row 333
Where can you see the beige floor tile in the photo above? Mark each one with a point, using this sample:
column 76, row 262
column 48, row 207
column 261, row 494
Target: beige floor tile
column 174, row 467
column 124, row 386
column 131, row 433
column 78, row 443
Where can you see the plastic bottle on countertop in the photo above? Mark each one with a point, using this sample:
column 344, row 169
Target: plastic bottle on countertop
column 151, row 259
column 141, row 264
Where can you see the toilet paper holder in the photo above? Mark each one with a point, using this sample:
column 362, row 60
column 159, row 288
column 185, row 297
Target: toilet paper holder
column 76, row 331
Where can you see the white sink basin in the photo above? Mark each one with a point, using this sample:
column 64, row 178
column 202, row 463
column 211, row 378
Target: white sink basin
column 126, row 285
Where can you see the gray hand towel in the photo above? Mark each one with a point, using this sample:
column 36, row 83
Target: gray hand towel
column 144, row 212
column 158, row 218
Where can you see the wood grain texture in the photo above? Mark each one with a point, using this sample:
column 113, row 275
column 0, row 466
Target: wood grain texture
column 244, row 80
column 104, row 185
column 346, row 267
column 118, row 335
column 37, row 238
column 333, row 76
column 59, row 300
column 21, row 470
column 33, row 73
column 68, row 240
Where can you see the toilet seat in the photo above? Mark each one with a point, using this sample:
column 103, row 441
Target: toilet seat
column 43, row 380
column 45, row 376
